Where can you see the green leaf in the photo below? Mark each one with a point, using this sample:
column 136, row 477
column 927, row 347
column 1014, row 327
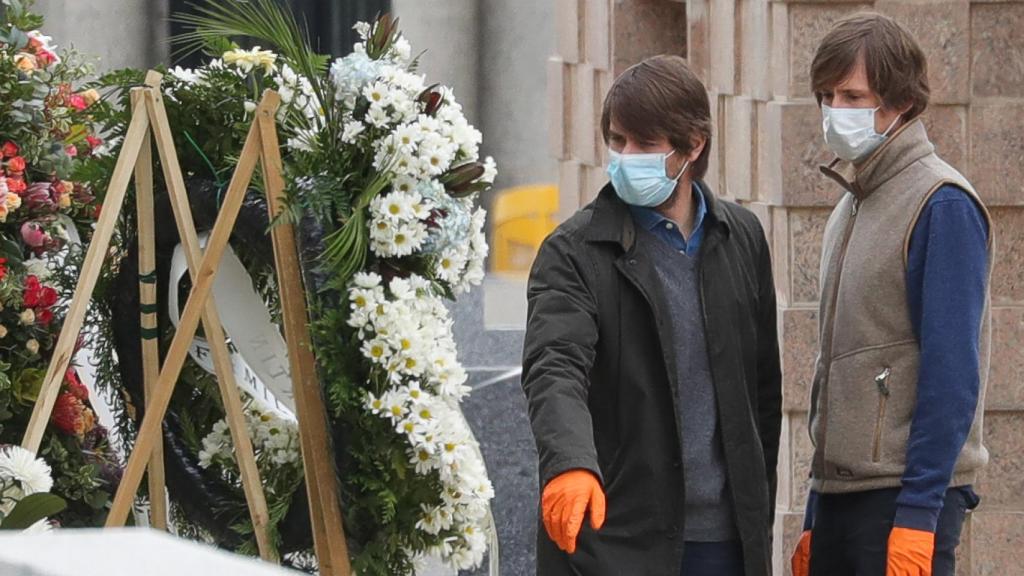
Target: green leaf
column 32, row 509
column 11, row 250
column 18, row 38
column 28, row 384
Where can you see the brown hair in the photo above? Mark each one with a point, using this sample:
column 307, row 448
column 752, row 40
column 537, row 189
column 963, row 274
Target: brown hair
column 896, row 67
column 661, row 97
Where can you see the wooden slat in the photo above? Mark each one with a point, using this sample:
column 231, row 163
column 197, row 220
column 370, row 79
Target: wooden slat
column 213, row 329
column 321, row 479
column 202, row 284
column 91, row 267
column 148, row 320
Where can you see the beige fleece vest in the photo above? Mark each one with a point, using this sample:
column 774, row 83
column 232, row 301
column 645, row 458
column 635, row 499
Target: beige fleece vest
column 865, row 381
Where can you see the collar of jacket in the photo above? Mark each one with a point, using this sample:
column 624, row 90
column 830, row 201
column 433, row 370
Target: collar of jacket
column 612, row 221
column 907, row 145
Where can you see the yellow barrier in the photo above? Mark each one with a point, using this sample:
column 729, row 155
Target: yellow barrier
column 521, row 218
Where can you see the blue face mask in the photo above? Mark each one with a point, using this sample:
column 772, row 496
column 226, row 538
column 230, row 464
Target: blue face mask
column 641, row 180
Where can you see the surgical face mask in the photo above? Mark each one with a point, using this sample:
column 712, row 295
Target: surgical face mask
column 641, row 180
column 850, row 132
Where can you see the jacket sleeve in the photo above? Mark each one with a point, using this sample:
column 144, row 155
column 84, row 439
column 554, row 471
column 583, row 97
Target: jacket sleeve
column 558, row 353
column 769, row 372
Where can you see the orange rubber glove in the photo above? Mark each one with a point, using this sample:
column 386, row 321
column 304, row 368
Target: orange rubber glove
column 801, row 560
column 566, row 499
column 910, row 552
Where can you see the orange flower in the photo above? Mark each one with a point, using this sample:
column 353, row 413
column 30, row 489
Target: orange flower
column 25, row 62
column 16, row 164
column 69, row 415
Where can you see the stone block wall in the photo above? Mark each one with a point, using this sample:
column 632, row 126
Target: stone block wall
column 754, row 57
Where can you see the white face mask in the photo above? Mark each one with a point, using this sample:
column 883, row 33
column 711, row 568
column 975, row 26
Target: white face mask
column 850, row 132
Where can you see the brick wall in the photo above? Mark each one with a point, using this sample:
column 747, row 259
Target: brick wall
column 754, row 57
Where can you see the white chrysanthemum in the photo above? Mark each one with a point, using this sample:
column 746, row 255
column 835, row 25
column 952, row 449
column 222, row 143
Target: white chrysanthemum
column 186, row 75
column 304, row 141
column 378, row 116
column 351, row 131
column 404, row 183
column 367, row 279
column 408, row 136
column 490, row 170
column 363, row 29
column 377, row 351
column 22, row 466
column 402, row 50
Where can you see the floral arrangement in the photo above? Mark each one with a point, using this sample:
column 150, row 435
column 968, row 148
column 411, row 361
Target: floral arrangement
column 382, row 172
column 392, row 172
column 46, row 136
column 25, row 482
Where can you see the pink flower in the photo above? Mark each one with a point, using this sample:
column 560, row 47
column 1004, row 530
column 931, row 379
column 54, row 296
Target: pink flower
column 46, row 57
column 34, row 235
column 39, row 197
column 72, row 151
column 77, row 102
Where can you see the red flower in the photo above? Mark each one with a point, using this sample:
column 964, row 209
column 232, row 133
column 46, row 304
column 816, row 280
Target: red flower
column 75, row 386
column 16, row 185
column 16, row 164
column 44, row 317
column 32, row 292
column 93, row 141
column 69, row 414
column 3, row 268
column 10, row 149
column 47, row 297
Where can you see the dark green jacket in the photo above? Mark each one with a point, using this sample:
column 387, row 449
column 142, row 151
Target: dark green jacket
column 599, row 377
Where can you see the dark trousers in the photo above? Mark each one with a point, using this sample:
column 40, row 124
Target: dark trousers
column 851, row 532
column 712, row 559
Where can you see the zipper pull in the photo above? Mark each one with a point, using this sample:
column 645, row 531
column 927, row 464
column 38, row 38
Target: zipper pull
column 881, row 379
column 853, row 209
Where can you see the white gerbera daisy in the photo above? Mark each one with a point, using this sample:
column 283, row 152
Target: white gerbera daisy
column 21, row 465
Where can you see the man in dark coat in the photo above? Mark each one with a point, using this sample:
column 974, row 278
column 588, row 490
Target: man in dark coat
column 651, row 363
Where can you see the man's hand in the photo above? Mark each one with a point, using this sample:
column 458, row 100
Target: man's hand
column 801, row 560
column 910, row 552
column 566, row 499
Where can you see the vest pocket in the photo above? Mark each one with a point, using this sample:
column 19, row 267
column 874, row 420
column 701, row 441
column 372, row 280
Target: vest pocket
column 881, row 382
column 867, row 413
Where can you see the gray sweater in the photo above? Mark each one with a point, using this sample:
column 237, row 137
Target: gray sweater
column 708, row 509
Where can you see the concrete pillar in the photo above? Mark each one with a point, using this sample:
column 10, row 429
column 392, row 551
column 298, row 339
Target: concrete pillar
column 120, row 33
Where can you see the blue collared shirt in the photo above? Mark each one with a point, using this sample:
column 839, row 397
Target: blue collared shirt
column 668, row 231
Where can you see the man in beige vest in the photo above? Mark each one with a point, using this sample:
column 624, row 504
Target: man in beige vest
column 898, row 391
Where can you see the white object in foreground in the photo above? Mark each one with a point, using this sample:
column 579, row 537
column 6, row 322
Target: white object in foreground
column 122, row 552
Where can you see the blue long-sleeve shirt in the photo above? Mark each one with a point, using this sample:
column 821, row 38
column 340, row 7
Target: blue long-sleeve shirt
column 947, row 275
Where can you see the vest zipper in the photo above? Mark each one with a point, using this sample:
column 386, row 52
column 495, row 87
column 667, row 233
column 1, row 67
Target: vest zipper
column 818, row 466
column 883, row 398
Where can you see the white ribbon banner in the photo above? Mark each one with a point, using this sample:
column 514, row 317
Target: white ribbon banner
column 259, row 355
